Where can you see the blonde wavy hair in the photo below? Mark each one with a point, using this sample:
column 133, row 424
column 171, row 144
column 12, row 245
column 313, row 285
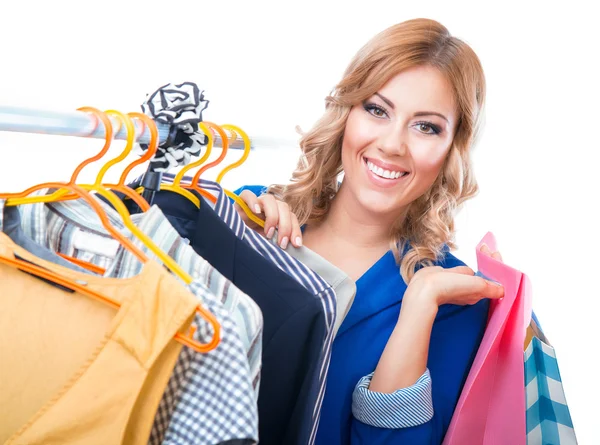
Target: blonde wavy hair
column 428, row 225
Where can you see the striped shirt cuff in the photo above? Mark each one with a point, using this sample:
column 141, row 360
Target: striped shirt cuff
column 404, row 408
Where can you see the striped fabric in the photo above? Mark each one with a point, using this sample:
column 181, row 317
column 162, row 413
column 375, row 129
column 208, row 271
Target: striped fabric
column 404, row 408
column 548, row 418
column 53, row 226
column 301, row 273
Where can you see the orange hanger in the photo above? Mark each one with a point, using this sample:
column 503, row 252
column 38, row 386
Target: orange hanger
column 55, row 278
column 85, row 264
column 79, row 192
column 14, row 199
column 176, row 187
column 108, row 130
column 18, row 198
column 194, row 185
column 100, row 117
column 120, row 186
column 239, row 201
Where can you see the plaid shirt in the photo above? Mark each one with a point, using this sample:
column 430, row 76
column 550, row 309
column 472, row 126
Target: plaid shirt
column 205, row 390
column 300, row 272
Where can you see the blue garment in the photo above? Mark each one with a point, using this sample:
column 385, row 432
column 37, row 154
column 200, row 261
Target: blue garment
column 295, row 327
column 455, row 338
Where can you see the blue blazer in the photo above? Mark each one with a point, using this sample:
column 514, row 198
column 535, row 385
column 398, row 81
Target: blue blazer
column 455, row 338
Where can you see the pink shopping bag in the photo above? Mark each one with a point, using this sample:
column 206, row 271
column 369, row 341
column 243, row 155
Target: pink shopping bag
column 491, row 408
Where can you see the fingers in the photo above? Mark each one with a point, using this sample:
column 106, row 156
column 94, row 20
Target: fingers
column 486, row 250
column 288, row 227
column 269, row 205
column 284, row 224
column 277, row 215
column 464, row 270
column 460, row 288
column 296, row 236
column 251, row 201
column 483, row 288
column 497, row 256
column 493, row 290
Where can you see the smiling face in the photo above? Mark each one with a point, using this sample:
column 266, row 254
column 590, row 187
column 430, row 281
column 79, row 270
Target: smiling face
column 396, row 142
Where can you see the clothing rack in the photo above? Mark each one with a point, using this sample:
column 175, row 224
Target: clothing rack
column 81, row 124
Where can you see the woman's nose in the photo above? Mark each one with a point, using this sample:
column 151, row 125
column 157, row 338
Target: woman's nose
column 393, row 142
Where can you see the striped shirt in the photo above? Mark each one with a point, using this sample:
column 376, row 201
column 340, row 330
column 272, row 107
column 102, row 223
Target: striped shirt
column 300, row 272
column 409, row 406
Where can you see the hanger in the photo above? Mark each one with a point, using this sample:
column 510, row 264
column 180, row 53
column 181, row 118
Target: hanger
column 236, row 130
column 176, row 186
column 120, row 186
column 55, row 278
column 194, row 185
column 152, row 146
column 13, row 199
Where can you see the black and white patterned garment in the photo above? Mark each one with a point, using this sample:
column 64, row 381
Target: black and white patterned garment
column 180, row 106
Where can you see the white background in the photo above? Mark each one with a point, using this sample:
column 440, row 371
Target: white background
column 267, row 68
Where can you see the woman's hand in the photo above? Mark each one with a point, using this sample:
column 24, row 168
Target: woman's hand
column 277, row 215
column 458, row 285
column 405, row 356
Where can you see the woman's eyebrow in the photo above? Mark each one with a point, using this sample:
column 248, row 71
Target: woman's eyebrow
column 431, row 113
column 418, row 113
column 386, row 100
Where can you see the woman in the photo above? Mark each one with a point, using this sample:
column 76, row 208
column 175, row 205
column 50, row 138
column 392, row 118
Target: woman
column 400, row 125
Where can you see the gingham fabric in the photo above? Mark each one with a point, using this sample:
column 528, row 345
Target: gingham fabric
column 547, row 417
column 301, row 273
column 181, row 106
column 183, row 410
column 216, row 402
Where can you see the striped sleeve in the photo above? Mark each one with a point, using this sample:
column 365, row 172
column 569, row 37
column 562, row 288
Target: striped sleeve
column 404, row 408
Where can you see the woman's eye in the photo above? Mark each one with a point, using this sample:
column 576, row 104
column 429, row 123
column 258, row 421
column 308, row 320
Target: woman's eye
column 376, row 110
column 428, row 128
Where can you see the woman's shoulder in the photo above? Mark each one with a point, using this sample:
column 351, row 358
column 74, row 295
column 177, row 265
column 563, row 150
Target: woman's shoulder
column 449, row 260
column 256, row 189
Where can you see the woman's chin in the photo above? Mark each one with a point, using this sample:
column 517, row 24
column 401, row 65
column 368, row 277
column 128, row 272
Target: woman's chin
column 382, row 209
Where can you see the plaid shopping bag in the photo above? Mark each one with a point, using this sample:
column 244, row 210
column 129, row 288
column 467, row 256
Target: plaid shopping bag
column 547, row 416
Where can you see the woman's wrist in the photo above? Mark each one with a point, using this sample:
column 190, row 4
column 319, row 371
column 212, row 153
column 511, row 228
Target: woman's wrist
column 404, row 358
column 420, row 302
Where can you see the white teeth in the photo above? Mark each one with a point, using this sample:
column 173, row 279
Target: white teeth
column 384, row 173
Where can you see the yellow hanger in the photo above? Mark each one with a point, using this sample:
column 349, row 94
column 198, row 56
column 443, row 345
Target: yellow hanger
column 176, row 187
column 232, row 195
column 152, row 146
column 120, row 186
column 21, row 198
column 100, row 117
column 14, row 199
column 55, row 278
column 195, row 181
column 117, row 204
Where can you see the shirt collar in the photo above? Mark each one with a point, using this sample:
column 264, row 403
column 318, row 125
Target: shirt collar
column 223, row 206
column 53, row 225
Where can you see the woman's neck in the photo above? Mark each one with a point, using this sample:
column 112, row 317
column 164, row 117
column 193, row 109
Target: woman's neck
column 348, row 223
column 348, row 238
